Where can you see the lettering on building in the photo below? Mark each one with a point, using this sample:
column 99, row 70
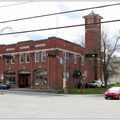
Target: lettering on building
column 10, row 49
column 24, row 47
column 40, row 45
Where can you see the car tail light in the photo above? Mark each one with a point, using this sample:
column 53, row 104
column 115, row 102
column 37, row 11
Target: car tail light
column 107, row 91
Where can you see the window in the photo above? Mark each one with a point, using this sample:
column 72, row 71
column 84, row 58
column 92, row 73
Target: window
column 43, row 56
column 82, row 59
column 21, row 57
column 13, row 60
column 7, row 61
column 10, row 77
column 90, row 21
column 40, row 80
column 75, row 59
column 36, row 56
column 64, row 57
column 27, row 57
column 40, row 77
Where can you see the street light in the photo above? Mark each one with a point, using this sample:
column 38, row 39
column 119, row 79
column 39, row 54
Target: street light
column 4, row 29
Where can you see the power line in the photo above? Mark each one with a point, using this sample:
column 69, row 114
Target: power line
column 16, row 4
column 58, row 13
column 46, row 29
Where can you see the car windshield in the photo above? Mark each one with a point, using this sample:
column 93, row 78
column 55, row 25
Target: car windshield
column 114, row 89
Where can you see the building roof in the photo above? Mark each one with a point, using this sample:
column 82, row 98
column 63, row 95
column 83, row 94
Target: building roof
column 92, row 14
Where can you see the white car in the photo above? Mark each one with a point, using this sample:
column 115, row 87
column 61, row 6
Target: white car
column 96, row 83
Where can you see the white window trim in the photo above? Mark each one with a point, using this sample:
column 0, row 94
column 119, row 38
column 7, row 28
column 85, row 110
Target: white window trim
column 75, row 59
column 7, row 62
column 26, row 58
column 20, row 57
column 37, row 53
column 43, row 54
column 12, row 60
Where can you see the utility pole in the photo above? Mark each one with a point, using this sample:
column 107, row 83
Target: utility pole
column 65, row 78
column 65, row 74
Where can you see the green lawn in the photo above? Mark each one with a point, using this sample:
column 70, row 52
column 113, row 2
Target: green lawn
column 86, row 91
column 89, row 90
column 115, row 85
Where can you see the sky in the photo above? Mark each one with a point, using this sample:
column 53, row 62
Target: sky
column 14, row 10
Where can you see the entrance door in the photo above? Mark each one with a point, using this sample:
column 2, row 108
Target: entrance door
column 24, row 80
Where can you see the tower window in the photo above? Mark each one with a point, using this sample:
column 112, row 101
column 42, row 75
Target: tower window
column 89, row 21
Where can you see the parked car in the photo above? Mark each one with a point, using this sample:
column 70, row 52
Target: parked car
column 96, row 83
column 84, row 85
column 112, row 93
column 3, row 86
column 8, row 85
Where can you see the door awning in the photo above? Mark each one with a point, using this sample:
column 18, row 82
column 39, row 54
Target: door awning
column 24, row 72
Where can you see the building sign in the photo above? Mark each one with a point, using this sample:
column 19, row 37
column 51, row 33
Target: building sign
column 24, row 72
column 24, row 47
column 10, row 49
column 40, row 45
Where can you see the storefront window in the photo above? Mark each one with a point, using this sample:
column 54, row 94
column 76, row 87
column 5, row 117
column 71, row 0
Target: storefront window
column 40, row 77
column 40, row 80
column 10, row 77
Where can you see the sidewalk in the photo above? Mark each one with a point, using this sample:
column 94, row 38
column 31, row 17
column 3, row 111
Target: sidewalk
column 31, row 90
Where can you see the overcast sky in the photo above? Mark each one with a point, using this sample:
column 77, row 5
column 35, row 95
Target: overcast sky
column 11, row 10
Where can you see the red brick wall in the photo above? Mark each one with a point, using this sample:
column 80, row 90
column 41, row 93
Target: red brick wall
column 52, row 65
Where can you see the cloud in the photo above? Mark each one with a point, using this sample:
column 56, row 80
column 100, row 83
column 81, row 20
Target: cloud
column 34, row 36
column 41, row 8
column 12, row 40
column 64, row 7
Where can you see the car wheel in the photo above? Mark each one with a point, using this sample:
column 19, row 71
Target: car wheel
column 106, row 98
column 119, row 97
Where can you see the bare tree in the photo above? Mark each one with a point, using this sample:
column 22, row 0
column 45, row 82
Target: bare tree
column 110, row 44
column 82, row 41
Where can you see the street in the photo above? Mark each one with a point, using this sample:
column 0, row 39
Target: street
column 31, row 106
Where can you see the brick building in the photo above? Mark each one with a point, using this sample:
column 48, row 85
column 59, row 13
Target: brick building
column 45, row 63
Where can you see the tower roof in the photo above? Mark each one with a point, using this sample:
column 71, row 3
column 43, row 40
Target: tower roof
column 92, row 14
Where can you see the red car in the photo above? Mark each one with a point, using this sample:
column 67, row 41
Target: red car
column 112, row 93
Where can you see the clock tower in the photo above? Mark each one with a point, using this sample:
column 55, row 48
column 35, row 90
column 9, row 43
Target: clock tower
column 93, row 46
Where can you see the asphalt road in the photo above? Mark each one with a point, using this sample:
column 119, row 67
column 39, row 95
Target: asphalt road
column 18, row 106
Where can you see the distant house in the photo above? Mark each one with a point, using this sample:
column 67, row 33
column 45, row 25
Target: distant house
column 114, row 70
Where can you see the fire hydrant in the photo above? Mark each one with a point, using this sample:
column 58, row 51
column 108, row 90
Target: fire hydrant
column 81, row 90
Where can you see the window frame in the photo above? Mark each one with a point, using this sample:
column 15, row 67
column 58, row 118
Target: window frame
column 27, row 57
column 75, row 58
column 13, row 60
column 43, row 56
column 37, row 56
column 21, row 57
